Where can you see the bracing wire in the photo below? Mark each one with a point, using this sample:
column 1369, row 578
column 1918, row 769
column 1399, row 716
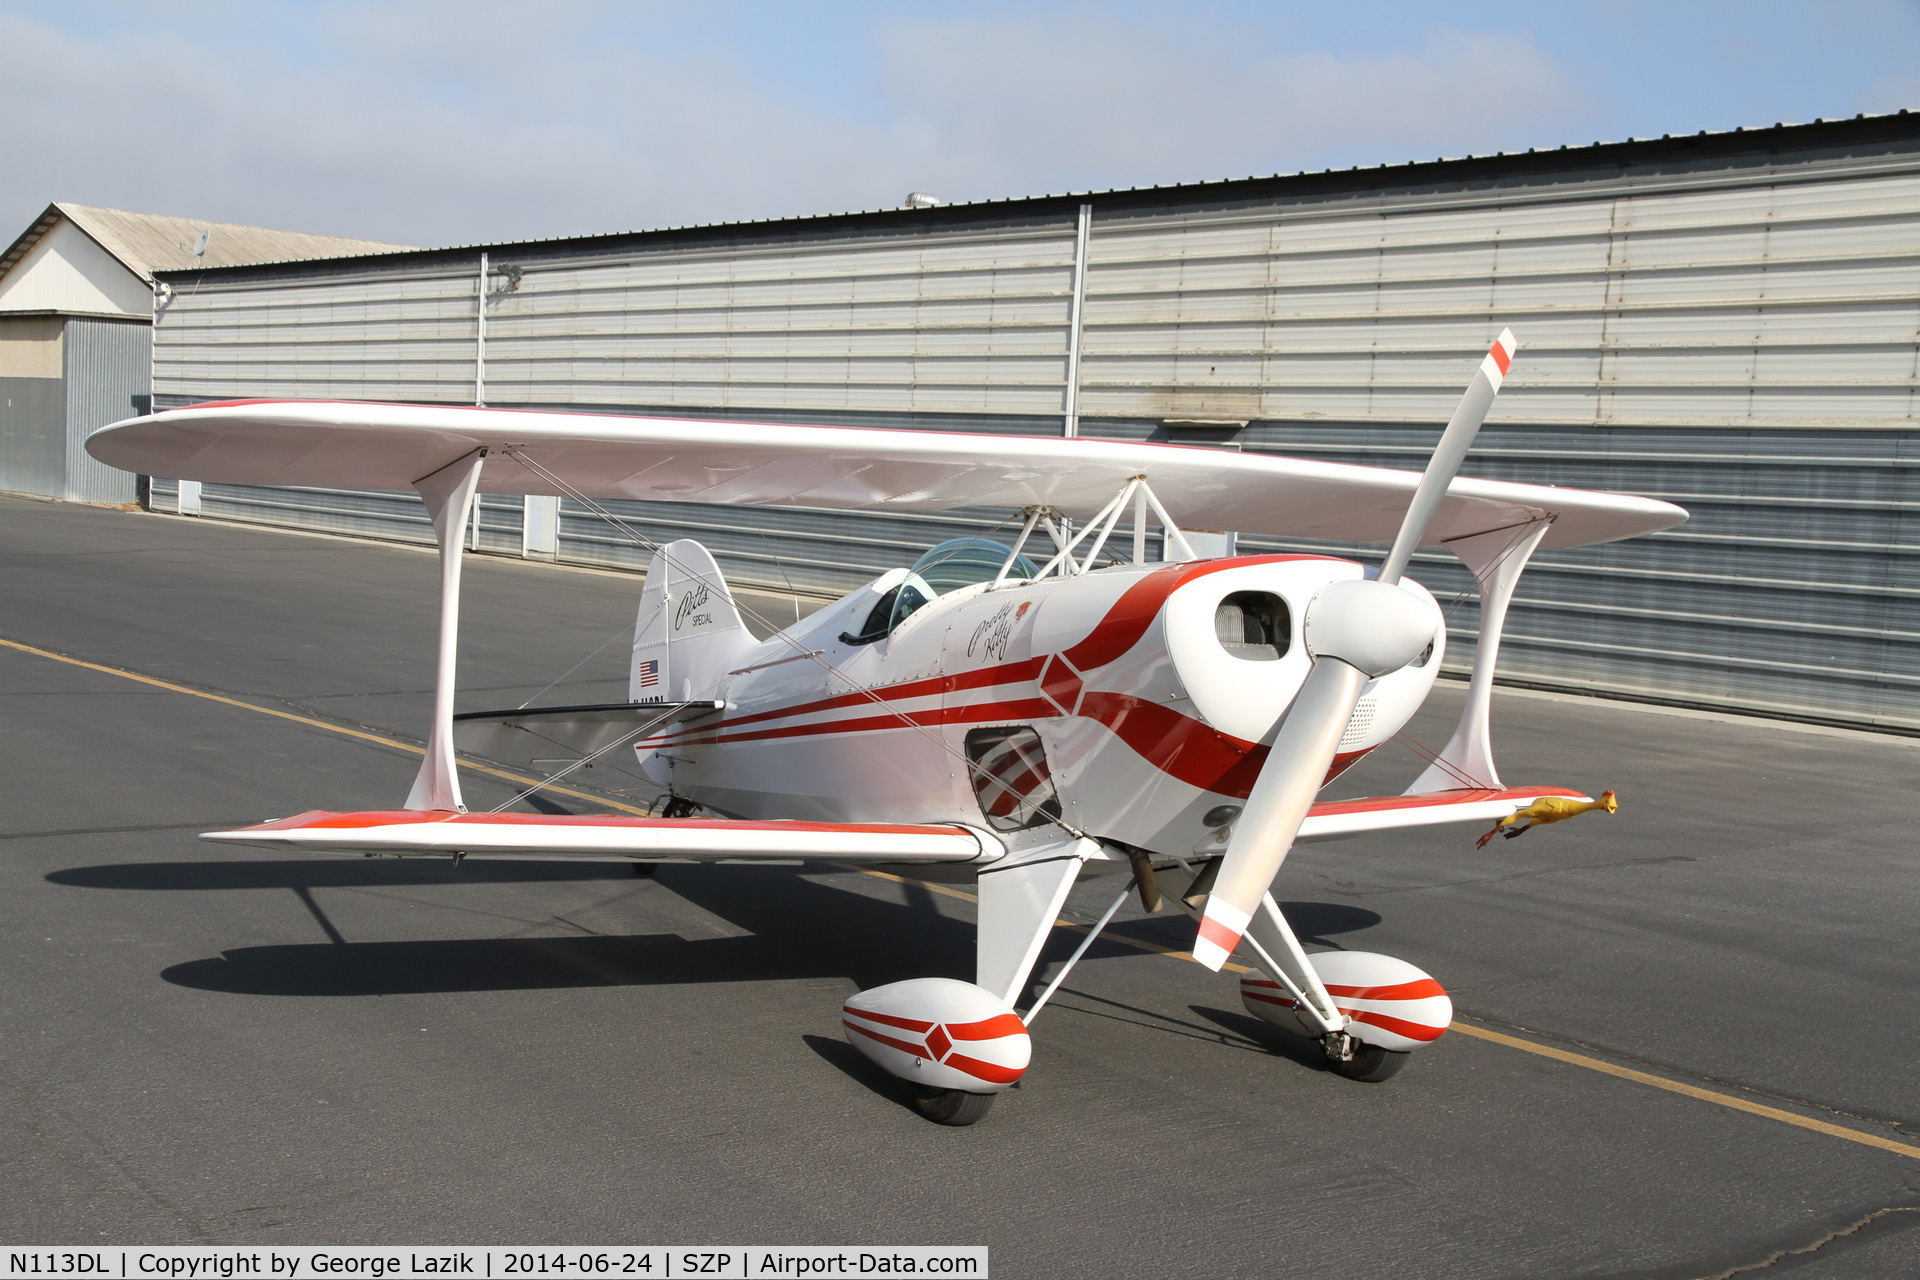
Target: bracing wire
column 583, row 662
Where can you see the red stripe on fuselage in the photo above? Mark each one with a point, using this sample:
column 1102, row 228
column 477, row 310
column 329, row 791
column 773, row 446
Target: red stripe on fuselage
column 1176, row 744
column 1140, row 604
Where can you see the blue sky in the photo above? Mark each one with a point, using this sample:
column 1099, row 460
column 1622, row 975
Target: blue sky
column 443, row 122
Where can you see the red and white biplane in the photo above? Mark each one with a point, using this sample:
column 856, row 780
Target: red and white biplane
column 1005, row 718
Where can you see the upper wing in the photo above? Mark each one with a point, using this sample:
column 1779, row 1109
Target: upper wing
column 609, row 837
column 1331, row 819
column 382, row 446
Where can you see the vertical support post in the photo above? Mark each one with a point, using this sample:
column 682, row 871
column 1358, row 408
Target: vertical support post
column 480, row 341
column 448, row 494
column 1176, row 548
column 1076, row 309
column 1139, row 527
column 1496, row 560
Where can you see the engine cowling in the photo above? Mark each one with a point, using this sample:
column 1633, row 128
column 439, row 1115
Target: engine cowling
column 940, row 1033
column 1391, row 1003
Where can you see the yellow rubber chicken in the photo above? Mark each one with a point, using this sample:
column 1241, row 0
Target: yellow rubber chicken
column 1547, row 809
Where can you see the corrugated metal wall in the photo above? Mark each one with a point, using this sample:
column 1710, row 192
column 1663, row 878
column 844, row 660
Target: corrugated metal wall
column 102, row 368
column 1739, row 334
column 107, row 381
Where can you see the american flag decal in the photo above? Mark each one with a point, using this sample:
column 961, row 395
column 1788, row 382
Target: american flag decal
column 1011, row 779
column 649, row 673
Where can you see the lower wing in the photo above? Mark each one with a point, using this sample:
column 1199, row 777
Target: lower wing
column 613, row 837
column 1332, row 819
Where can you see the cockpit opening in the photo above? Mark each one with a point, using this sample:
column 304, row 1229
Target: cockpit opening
column 945, row 568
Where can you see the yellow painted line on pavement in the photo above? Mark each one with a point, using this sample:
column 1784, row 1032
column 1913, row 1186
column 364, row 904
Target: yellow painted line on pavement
column 306, row 720
column 1689, row 1091
column 1466, row 1029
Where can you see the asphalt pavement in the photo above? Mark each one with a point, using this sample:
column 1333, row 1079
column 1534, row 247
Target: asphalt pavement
column 216, row 1045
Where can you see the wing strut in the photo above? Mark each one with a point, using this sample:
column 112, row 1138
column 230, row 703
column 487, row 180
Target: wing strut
column 1496, row 560
column 448, row 493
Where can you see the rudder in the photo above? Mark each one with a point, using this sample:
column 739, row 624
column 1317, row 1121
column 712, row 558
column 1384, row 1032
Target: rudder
column 688, row 633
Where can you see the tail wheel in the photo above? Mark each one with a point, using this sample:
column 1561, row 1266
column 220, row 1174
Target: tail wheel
column 955, row 1106
column 1370, row 1063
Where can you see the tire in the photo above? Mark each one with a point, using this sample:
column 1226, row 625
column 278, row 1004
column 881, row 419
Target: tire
column 952, row 1106
column 1371, row 1064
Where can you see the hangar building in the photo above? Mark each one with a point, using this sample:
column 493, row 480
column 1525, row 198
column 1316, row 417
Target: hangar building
column 76, row 317
column 1730, row 321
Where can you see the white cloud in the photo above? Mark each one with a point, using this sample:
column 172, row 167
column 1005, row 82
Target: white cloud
column 440, row 123
column 1053, row 104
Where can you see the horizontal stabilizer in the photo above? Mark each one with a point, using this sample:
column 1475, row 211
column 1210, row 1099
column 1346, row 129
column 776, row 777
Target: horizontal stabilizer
column 610, row 837
column 548, row 739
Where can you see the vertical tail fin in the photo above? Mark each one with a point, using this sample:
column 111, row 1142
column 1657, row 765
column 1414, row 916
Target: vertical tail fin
column 688, row 634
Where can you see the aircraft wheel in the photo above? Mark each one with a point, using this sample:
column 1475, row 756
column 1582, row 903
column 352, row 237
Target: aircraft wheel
column 952, row 1106
column 1370, row 1063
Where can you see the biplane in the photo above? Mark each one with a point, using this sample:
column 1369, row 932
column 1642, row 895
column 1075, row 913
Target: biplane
column 1088, row 697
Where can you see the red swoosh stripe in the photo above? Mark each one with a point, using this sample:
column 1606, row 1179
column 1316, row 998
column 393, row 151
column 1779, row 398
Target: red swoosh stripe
column 918, row 1051
column 1001, row 1024
column 905, row 1024
column 1418, row 990
column 1399, row 1026
column 1110, row 638
column 991, row 1072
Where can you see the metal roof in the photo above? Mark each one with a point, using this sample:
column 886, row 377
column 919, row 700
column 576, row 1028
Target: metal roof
column 148, row 242
column 1685, row 150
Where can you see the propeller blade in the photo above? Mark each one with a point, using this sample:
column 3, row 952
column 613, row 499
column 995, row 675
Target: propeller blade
column 1356, row 630
column 1449, row 454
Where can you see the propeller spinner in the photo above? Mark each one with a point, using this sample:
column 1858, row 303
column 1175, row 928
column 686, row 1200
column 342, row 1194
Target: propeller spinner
column 1355, row 630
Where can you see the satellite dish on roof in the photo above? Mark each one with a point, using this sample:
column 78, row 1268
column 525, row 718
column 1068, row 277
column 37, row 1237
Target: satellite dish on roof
column 200, row 245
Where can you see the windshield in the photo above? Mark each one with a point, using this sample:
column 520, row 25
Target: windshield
column 961, row 562
column 953, row 564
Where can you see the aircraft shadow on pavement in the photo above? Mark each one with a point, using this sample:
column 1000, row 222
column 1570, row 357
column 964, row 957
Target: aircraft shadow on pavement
column 490, row 964
column 796, row 929
column 857, row 1067
column 1298, row 1048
